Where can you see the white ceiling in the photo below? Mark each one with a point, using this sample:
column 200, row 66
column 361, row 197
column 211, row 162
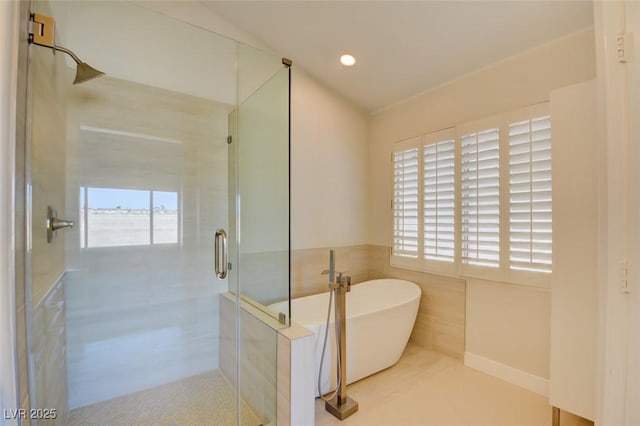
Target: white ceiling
column 402, row 47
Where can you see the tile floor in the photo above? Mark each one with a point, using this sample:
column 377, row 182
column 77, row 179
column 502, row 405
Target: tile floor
column 427, row 388
column 204, row 399
column 424, row 388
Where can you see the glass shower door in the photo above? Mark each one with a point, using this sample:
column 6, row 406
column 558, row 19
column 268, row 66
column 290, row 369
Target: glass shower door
column 125, row 312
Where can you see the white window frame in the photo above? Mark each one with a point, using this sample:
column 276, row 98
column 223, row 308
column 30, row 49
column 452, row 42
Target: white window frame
column 84, row 230
column 503, row 273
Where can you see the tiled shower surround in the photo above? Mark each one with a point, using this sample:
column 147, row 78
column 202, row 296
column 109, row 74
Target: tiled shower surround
column 140, row 316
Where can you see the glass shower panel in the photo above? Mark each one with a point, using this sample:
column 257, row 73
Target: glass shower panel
column 263, row 178
column 260, row 160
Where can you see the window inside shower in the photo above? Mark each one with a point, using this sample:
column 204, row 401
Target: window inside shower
column 114, row 217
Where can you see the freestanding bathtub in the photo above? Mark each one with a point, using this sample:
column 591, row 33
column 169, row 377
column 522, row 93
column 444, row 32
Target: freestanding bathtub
column 380, row 317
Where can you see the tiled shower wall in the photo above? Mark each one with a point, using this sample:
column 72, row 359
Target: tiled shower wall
column 143, row 315
column 46, row 306
column 49, row 351
column 441, row 317
column 259, row 354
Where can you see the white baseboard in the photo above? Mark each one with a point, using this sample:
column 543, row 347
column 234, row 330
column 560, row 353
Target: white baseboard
column 509, row 374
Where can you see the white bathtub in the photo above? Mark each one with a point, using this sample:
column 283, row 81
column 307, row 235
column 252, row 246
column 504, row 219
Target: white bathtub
column 380, row 317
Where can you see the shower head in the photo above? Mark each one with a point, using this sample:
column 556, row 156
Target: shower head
column 84, row 71
column 43, row 35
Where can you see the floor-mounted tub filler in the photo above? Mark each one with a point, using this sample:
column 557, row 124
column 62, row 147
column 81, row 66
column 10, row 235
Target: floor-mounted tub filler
column 380, row 317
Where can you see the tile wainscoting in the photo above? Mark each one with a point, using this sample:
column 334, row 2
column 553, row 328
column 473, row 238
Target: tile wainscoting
column 48, row 354
column 258, row 359
column 440, row 325
column 276, row 380
column 308, row 264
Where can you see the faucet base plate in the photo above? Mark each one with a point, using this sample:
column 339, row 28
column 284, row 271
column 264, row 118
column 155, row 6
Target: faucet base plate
column 341, row 411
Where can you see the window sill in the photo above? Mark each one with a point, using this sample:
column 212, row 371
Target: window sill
column 518, row 278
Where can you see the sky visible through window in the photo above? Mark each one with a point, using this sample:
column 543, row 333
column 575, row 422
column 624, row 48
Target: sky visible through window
column 111, row 198
column 166, row 200
column 126, row 217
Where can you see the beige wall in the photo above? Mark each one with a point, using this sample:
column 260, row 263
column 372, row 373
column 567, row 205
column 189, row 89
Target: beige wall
column 632, row 16
column 509, row 324
column 575, row 250
column 504, row 323
column 328, row 167
column 517, row 82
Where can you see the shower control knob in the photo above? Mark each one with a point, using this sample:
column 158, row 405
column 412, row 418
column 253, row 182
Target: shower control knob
column 60, row 223
column 54, row 224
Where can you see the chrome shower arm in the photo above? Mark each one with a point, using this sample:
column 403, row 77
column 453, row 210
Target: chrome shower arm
column 68, row 52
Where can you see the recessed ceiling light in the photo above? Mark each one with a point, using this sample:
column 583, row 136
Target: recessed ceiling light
column 347, row 60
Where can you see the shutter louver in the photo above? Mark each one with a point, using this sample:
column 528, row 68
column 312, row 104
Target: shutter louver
column 405, row 203
column 530, row 194
column 480, row 198
column 439, row 200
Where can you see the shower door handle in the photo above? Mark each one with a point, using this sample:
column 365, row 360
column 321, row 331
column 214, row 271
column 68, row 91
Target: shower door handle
column 220, row 251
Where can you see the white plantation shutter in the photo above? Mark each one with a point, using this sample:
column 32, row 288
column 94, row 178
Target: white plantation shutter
column 439, row 200
column 475, row 200
column 405, row 203
column 530, row 194
column 480, row 198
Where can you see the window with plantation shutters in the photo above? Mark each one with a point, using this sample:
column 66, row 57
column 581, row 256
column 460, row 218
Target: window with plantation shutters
column 530, row 194
column 439, row 200
column 475, row 200
column 405, row 203
column 480, row 198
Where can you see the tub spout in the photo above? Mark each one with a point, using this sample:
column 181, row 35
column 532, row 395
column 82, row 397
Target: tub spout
column 335, row 283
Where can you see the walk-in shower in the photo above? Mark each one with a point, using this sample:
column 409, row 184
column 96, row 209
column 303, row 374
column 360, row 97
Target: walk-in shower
column 127, row 322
